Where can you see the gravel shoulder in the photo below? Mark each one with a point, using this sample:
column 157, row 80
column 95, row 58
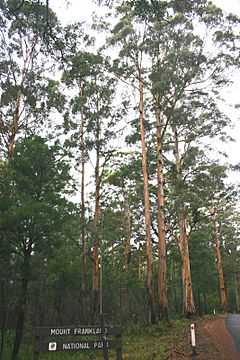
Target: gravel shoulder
column 213, row 342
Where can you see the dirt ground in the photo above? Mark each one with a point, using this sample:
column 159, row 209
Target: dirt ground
column 213, row 342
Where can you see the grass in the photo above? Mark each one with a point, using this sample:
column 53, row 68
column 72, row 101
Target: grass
column 139, row 343
column 152, row 343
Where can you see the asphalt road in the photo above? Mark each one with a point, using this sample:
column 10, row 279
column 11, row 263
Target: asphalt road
column 233, row 326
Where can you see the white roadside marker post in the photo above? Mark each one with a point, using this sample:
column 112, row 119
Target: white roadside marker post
column 193, row 339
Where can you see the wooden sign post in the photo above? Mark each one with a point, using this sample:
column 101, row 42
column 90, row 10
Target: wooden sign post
column 54, row 339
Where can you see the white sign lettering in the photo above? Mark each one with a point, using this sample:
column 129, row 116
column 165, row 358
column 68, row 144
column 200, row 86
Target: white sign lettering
column 88, row 331
column 64, row 331
column 75, row 346
column 99, row 345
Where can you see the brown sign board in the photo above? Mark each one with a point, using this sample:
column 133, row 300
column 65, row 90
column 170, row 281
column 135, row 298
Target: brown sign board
column 78, row 331
column 51, row 346
column 54, row 339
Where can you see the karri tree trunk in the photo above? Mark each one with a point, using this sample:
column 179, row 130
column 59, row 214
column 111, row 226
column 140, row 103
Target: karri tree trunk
column 222, row 290
column 176, row 305
column 127, row 224
column 95, row 285
column 3, row 317
column 188, row 301
column 17, row 112
column 162, row 264
column 199, row 303
column 15, row 126
column 127, row 232
column 205, row 302
column 139, row 263
column 83, row 216
column 151, row 317
column 22, row 303
column 236, row 291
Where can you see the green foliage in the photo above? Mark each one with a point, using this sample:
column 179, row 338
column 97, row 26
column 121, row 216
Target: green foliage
column 184, row 51
column 39, row 178
column 27, row 50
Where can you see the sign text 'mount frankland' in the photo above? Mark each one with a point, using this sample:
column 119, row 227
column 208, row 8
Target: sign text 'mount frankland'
column 80, row 331
column 76, row 331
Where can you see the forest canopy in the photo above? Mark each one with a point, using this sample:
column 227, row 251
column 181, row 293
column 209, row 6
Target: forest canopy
column 115, row 186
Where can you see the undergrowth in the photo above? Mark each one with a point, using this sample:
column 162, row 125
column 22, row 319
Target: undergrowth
column 139, row 343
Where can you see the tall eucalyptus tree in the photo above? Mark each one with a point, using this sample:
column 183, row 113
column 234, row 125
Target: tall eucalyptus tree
column 222, row 201
column 186, row 74
column 27, row 45
column 128, row 35
column 96, row 129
